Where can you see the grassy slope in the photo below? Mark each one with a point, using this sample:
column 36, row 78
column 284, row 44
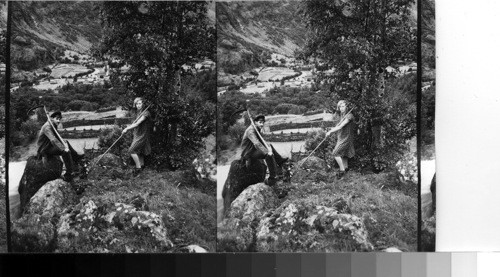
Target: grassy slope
column 387, row 207
column 188, row 213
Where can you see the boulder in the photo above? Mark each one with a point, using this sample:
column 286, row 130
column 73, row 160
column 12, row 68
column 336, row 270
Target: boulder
column 300, row 226
column 236, row 232
column 313, row 163
column 74, row 224
column 66, row 233
column 88, row 217
column 33, row 233
column 253, row 203
column 126, row 216
column 240, row 177
column 36, row 173
column 35, row 230
column 51, row 199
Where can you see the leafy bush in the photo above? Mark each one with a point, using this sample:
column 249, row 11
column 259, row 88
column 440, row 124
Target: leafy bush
column 81, row 105
column 30, row 129
column 325, row 149
column 109, row 136
column 236, row 132
column 297, row 109
column 286, row 108
column 428, row 114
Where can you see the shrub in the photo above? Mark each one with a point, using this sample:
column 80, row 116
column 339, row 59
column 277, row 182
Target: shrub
column 324, row 150
column 284, row 108
column 76, row 105
column 30, row 129
column 89, row 106
column 297, row 109
column 236, row 132
column 109, row 136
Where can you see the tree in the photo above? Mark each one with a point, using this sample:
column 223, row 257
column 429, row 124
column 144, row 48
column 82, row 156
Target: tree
column 156, row 39
column 358, row 39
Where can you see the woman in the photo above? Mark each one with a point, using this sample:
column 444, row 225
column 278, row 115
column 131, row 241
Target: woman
column 140, row 146
column 344, row 148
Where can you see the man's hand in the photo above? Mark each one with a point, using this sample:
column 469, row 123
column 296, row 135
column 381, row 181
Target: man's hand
column 124, row 130
column 66, row 149
column 270, row 153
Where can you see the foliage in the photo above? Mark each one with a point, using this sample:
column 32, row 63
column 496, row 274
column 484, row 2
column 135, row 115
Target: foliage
column 324, row 150
column 428, row 47
column 285, row 108
column 359, row 40
column 30, row 129
column 81, row 105
column 236, row 132
column 428, row 114
column 428, row 16
column 109, row 136
column 156, row 39
column 3, row 40
column 2, row 118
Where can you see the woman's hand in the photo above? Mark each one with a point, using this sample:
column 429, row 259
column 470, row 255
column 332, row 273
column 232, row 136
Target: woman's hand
column 125, row 130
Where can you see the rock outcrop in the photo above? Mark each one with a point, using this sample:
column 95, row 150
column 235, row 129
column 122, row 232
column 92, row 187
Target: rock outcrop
column 36, row 173
column 35, row 230
column 236, row 232
column 51, row 199
column 239, row 178
column 88, row 217
column 300, row 227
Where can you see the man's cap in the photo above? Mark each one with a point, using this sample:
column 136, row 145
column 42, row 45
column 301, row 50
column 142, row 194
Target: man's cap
column 56, row 114
column 260, row 117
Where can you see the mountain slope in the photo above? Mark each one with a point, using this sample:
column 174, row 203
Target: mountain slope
column 42, row 30
column 248, row 32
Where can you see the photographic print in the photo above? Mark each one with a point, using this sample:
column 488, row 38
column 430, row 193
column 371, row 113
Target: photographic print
column 428, row 157
column 113, row 109
column 317, row 126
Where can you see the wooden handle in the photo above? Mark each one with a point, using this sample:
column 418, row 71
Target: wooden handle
column 257, row 130
column 54, row 128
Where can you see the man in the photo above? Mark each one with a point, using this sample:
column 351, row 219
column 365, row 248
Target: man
column 50, row 145
column 254, row 149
